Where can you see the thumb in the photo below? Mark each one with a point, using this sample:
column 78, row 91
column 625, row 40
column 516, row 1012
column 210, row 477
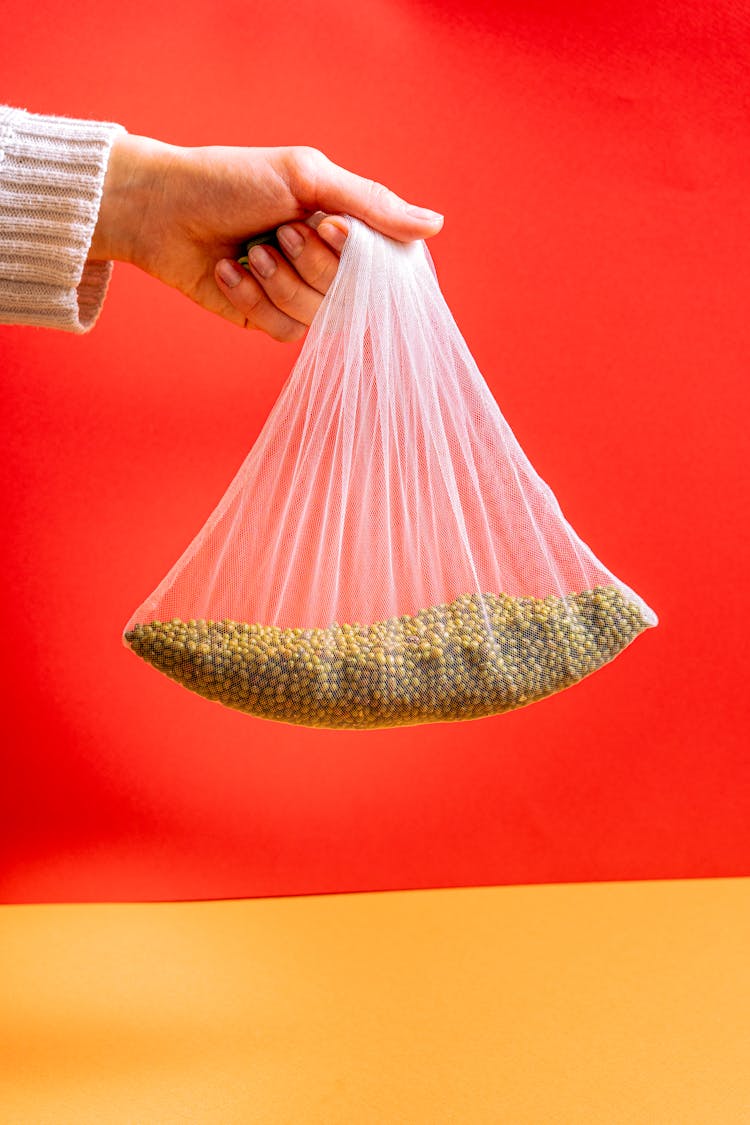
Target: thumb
column 336, row 189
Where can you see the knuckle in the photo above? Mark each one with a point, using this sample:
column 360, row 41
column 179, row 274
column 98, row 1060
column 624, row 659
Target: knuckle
column 378, row 193
column 321, row 275
column 305, row 165
column 290, row 298
column 289, row 333
column 249, row 298
column 307, row 153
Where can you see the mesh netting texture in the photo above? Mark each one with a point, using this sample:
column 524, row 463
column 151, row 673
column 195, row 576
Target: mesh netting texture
column 386, row 554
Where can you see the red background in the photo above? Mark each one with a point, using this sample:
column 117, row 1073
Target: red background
column 593, row 164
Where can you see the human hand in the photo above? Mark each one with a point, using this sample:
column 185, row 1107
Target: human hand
column 183, row 215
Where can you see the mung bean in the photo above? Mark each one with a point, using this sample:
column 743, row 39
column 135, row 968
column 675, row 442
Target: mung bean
column 479, row 655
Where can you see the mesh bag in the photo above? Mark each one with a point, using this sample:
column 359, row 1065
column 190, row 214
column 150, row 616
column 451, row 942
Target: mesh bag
column 386, row 554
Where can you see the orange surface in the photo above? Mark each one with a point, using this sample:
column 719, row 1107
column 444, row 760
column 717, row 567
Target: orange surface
column 605, row 1003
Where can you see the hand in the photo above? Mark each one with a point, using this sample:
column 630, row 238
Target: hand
column 183, row 214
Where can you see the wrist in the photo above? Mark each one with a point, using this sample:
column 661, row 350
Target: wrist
column 136, row 166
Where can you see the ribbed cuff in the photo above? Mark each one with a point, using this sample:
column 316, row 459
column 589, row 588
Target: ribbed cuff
column 51, row 177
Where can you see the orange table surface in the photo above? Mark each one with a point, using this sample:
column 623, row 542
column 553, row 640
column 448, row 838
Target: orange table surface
column 597, row 1003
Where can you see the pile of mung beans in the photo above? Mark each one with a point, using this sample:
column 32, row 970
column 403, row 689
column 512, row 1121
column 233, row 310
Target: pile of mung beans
column 479, row 655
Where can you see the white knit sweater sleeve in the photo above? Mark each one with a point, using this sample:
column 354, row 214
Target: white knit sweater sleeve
column 51, row 177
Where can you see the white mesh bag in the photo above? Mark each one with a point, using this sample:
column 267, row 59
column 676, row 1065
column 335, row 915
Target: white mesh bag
column 386, row 554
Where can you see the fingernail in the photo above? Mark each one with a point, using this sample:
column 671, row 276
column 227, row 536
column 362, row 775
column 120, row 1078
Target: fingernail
column 261, row 261
column 229, row 273
column 333, row 234
column 316, row 219
column 291, row 240
column 424, row 215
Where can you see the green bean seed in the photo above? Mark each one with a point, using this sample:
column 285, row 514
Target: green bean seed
column 479, row 655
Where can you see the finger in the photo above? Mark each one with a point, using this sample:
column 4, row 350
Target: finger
column 315, row 262
column 376, row 205
column 334, row 229
column 325, row 185
column 246, row 295
column 284, row 287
